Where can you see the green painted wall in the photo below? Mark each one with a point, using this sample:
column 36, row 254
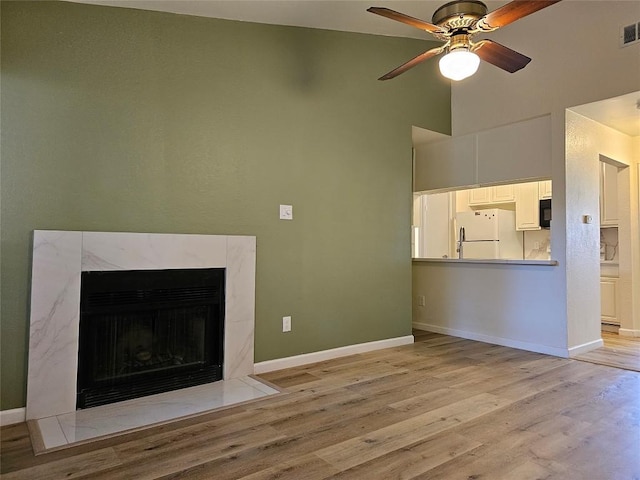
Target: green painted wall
column 127, row 120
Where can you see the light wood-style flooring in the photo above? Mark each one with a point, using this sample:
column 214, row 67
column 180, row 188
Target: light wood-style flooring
column 442, row 408
column 618, row 351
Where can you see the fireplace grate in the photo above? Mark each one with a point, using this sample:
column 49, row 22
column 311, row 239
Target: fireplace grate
column 144, row 332
column 110, row 394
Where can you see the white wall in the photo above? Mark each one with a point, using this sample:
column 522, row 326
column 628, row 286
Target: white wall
column 502, row 304
column 586, row 141
column 629, row 247
column 634, row 215
column 576, row 60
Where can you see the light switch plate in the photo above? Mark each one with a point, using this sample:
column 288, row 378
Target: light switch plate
column 286, row 324
column 286, row 212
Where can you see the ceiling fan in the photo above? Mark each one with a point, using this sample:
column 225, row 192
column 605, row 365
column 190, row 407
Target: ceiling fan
column 456, row 23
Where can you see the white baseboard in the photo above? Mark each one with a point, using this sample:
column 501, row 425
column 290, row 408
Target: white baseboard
column 627, row 332
column 505, row 342
column 18, row 415
column 307, row 358
column 9, row 417
column 585, row 347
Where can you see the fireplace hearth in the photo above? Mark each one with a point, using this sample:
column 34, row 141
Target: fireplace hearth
column 148, row 331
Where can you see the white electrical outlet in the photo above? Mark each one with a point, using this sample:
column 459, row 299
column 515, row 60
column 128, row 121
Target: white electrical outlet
column 286, row 324
column 421, row 301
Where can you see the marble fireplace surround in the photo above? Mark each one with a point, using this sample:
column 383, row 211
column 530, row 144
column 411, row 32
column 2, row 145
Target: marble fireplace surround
column 59, row 257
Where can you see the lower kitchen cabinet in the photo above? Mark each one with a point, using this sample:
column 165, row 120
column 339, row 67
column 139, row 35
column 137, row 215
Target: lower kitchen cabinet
column 609, row 300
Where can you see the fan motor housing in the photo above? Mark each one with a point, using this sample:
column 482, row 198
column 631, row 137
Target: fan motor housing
column 459, row 15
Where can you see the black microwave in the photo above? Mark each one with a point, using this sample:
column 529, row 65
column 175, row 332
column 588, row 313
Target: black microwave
column 545, row 213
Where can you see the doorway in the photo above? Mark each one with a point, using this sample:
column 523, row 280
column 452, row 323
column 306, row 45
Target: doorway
column 615, row 149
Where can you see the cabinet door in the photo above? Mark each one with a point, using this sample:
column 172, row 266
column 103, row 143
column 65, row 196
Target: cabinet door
column 527, row 206
column 502, row 194
column 608, row 300
column 462, row 201
column 480, row 196
column 544, row 189
column 608, row 195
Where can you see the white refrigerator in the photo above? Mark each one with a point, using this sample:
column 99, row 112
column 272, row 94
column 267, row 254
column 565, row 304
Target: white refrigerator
column 489, row 234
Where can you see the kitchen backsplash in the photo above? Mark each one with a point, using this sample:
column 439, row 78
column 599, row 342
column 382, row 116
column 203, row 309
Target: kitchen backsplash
column 609, row 244
column 537, row 245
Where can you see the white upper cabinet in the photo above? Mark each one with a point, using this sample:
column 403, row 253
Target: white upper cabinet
column 608, row 195
column 525, row 196
column 503, row 194
column 480, row 196
column 527, row 206
column 492, row 195
column 544, row 189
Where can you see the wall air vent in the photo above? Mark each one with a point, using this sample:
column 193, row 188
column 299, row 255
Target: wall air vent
column 630, row 34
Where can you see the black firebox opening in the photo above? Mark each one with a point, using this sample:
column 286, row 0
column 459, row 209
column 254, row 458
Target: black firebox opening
column 148, row 331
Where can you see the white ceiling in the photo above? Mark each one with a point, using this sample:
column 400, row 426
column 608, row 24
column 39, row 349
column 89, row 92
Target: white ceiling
column 621, row 113
column 352, row 16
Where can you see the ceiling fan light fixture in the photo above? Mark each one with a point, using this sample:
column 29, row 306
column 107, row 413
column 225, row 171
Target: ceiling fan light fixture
column 459, row 64
column 455, row 23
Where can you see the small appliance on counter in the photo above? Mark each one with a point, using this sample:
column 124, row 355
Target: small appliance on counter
column 489, row 234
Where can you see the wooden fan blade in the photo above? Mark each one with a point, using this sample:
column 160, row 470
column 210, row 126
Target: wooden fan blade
column 401, row 17
column 511, row 12
column 412, row 63
column 500, row 56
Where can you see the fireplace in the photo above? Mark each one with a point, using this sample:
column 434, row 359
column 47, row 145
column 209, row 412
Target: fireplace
column 148, row 331
column 60, row 258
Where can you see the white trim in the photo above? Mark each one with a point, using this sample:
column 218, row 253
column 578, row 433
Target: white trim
column 9, row 417
column 585, row 347
column 628, row 332
column 313, row 357
column 505, row 342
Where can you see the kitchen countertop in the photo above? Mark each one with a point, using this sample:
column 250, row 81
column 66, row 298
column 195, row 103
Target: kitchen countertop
column 548, row 263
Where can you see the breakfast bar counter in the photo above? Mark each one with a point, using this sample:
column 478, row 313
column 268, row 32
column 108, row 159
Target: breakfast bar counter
column 489, row 261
